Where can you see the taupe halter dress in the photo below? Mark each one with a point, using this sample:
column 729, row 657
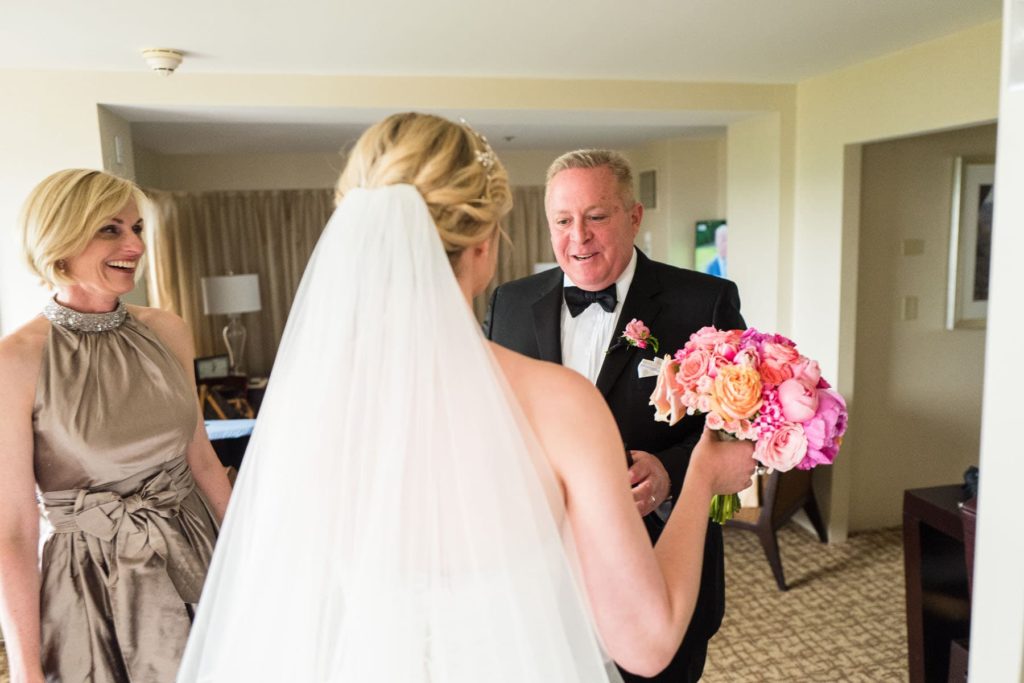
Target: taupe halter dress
column 114, row 413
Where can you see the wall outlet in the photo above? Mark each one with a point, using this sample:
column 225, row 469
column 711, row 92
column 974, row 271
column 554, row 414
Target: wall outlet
column 913, row 247
column 909, row 308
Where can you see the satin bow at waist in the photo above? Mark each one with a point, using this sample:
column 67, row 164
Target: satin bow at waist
column 133, row 517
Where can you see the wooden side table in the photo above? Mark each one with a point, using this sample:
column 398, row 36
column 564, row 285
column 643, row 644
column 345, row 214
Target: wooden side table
column 938, row 602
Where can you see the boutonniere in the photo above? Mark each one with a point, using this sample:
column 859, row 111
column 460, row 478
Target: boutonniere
column 637, row 334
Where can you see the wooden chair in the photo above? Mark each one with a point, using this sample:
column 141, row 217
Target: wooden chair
column 224, row 398
column 783, row 494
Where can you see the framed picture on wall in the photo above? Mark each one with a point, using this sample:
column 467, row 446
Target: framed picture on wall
column 970, row 243
column 711, row 251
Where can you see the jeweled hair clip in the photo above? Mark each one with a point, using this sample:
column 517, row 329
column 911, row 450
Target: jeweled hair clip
column 486, row 156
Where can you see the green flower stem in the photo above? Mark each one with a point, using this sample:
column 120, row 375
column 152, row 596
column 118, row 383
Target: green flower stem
column 724, row 508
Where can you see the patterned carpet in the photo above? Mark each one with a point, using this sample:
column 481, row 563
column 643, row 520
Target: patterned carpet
column 842, row 619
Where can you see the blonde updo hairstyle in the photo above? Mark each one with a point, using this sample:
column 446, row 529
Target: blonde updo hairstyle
column 466, row 198
column 64, row 212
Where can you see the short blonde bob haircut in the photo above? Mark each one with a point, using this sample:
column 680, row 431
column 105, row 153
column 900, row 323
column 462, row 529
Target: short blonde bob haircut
column 63, row 213
column 467, row 198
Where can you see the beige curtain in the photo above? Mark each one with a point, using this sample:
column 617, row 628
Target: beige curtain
column 527, row 228
column 270, row 233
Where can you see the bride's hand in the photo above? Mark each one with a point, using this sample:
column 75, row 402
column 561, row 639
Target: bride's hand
column 727, row 466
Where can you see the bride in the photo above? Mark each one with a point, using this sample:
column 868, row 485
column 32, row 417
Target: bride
column 418, row 504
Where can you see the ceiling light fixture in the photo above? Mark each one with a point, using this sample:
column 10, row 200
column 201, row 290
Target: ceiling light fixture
column 162, row 60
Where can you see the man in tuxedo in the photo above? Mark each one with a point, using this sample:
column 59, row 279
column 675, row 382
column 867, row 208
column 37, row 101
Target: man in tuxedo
column 576, row 314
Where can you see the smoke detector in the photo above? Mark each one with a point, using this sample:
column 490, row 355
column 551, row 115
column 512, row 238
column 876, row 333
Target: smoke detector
column 162, row 60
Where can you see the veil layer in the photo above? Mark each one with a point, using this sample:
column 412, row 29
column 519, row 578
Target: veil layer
column 394, row 520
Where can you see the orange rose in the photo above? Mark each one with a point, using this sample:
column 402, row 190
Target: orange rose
column 736, row 393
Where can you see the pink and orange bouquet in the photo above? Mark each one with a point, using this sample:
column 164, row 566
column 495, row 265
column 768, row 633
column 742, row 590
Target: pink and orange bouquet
column 757, row 387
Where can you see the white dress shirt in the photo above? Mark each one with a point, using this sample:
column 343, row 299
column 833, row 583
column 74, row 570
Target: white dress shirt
column 586, row 337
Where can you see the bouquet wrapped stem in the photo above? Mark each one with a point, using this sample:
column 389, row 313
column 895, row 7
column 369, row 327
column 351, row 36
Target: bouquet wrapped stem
column 724, row 508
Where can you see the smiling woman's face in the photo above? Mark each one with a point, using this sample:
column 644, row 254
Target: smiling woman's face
column 107, row 265
column 592, row 230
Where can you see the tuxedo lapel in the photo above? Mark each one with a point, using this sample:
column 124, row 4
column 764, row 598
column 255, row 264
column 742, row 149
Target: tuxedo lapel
column 641, row 304
column 547, row 320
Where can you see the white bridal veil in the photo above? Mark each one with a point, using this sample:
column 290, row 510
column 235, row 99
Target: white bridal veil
column 394, row 519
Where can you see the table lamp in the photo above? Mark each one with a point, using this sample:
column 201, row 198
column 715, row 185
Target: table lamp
column 232, row 295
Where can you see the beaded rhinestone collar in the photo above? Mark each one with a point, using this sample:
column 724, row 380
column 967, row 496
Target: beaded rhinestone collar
column 85, row 322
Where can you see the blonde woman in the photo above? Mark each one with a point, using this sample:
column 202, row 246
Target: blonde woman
column 412, row 492
column 98, row 412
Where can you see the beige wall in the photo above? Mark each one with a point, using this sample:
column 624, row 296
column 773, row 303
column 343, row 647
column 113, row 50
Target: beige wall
column 754, row 171
column 938, row 85
column 528, row 166
column 918, row 413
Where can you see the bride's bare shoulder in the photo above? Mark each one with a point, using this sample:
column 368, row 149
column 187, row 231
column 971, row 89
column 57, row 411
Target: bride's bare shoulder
column 540, row 384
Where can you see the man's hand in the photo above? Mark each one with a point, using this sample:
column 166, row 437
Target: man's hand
column 649, row 480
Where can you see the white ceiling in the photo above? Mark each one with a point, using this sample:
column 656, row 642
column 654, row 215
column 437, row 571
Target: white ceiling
column 769, row 41
column 779, row 41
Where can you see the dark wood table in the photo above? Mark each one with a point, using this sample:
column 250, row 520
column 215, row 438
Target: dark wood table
column 938, row 601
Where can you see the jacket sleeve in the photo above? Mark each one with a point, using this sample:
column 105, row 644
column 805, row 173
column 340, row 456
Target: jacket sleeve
column 489, row 316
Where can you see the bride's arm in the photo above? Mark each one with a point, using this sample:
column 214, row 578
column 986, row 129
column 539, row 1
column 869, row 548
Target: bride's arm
column 642, row 600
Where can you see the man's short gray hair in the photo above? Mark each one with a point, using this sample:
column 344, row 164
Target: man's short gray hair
column 596, row 158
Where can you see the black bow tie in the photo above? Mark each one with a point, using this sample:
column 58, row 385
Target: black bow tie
column 579, row 299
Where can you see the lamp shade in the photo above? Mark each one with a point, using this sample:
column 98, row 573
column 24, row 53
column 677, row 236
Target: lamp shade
column 231, row 294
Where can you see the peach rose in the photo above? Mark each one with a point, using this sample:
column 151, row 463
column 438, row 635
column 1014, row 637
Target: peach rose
column 783, row 449
column 799, row 402
column 736, row 393
column 667, row 398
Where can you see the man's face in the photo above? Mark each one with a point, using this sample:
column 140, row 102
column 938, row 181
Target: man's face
column 592, row 232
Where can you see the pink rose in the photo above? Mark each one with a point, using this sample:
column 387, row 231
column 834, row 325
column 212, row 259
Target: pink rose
column 710, row 337
column 825, row 430
column 636, row 330
column 786, row 447
column 693, row 366
column 747, row 357
column 714, row 421
column 807, row 372
column 799, row 402
column 638, row 334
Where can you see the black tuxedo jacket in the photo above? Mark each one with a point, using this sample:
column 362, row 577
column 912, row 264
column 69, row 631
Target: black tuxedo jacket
column 525, row 316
